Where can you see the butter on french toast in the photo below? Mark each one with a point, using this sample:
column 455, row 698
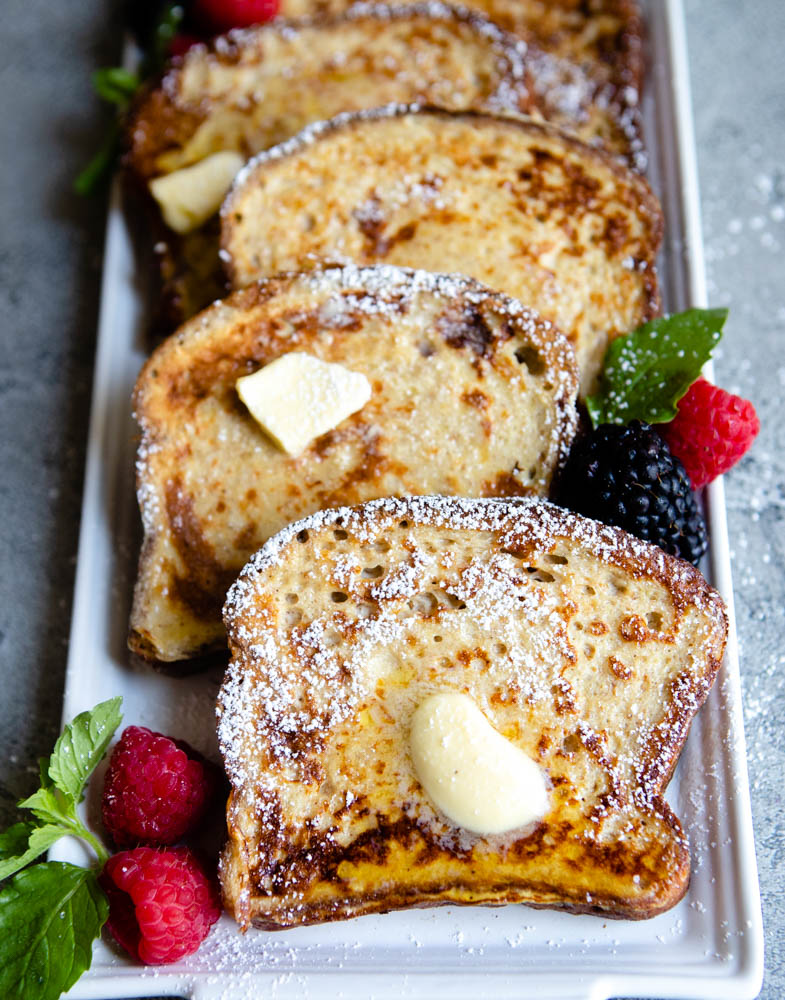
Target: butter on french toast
column 518, row 205
column 471, row 394
column 588, row 650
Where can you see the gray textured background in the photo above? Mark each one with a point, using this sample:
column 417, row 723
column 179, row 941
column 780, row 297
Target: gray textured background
column 50, row 259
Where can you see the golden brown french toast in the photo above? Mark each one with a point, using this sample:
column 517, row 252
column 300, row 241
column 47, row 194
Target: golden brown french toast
column 254, row 88
column 519, row 205
column 584, row 648
column 470, row 393
column 585, row 61
column 251, row 89
column 604, row 36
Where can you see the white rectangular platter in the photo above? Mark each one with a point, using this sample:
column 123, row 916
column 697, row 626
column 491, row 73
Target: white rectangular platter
column 709, row 946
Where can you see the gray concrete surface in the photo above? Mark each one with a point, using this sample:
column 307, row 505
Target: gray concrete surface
column 50, row 258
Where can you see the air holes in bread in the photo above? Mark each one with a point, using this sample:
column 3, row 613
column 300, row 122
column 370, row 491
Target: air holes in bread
column 292, row 617
column 338, row 597
column 381, row 545
column 340, row 534
column 437, row 638
column 292, row 598
column 529, row 357
column 556, row 560
column 654, row 620
column 540, row 574
column 372, row 572
column 571, row 743
column 302, row 536
column 426, row 603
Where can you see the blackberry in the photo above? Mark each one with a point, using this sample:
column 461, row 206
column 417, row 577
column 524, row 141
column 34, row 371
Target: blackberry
column 627, row 476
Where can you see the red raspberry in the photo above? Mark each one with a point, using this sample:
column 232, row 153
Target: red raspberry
column 161, row 903
column 712, row 429
column 221, row 15
column 156, row 789
column 182, row 43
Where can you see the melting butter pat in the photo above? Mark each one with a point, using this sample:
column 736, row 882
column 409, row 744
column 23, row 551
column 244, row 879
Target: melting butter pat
column 188, row 197
column 298, row 397
column 474, row 775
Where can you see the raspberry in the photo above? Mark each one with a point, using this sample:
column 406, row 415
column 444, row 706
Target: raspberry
column 627, row 476
column 221, row 15
column 712, row 429
column 161, row 903
column 156, row 789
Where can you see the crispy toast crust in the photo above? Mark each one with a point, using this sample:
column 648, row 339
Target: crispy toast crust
column 423, row 187
column 589, row 649
column 471, row 393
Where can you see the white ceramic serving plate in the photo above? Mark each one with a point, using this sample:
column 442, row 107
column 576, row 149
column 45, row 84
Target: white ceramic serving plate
column 709, row 946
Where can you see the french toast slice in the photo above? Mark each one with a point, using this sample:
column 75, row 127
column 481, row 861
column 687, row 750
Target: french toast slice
column 251, row 89
column 516, row 204
column 585, row 61
column 254, row 88
column 587, row 649
column 471, row 393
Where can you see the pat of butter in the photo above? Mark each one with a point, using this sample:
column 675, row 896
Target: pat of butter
column 475, row 776
column 298, row 397
column 188, row 197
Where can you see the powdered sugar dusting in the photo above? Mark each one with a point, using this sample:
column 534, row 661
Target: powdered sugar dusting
column 289, row 693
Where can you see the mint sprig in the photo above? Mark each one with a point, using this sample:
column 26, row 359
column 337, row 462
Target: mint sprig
column 118, row 86
column 51, row 913
column 81, row 747
column 647, row 371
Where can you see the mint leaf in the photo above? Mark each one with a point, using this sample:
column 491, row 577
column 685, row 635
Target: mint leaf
column 167, row 27
column 43, row 772
column 28, row 842
column 648, row 371
column 46, row 806
column 15, row 839
column 81, row 747
column 50, row 915
column 99, row 168
column 116, row 85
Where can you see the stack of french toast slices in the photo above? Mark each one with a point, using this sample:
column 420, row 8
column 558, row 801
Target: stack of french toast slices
column 395, row 242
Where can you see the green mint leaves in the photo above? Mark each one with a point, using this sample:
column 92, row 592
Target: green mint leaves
column 81, row 747
column 63, row 777
column 49, row 917
column 51, row 913
column 648, row 371
column 27, row 842
column 118, row 86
